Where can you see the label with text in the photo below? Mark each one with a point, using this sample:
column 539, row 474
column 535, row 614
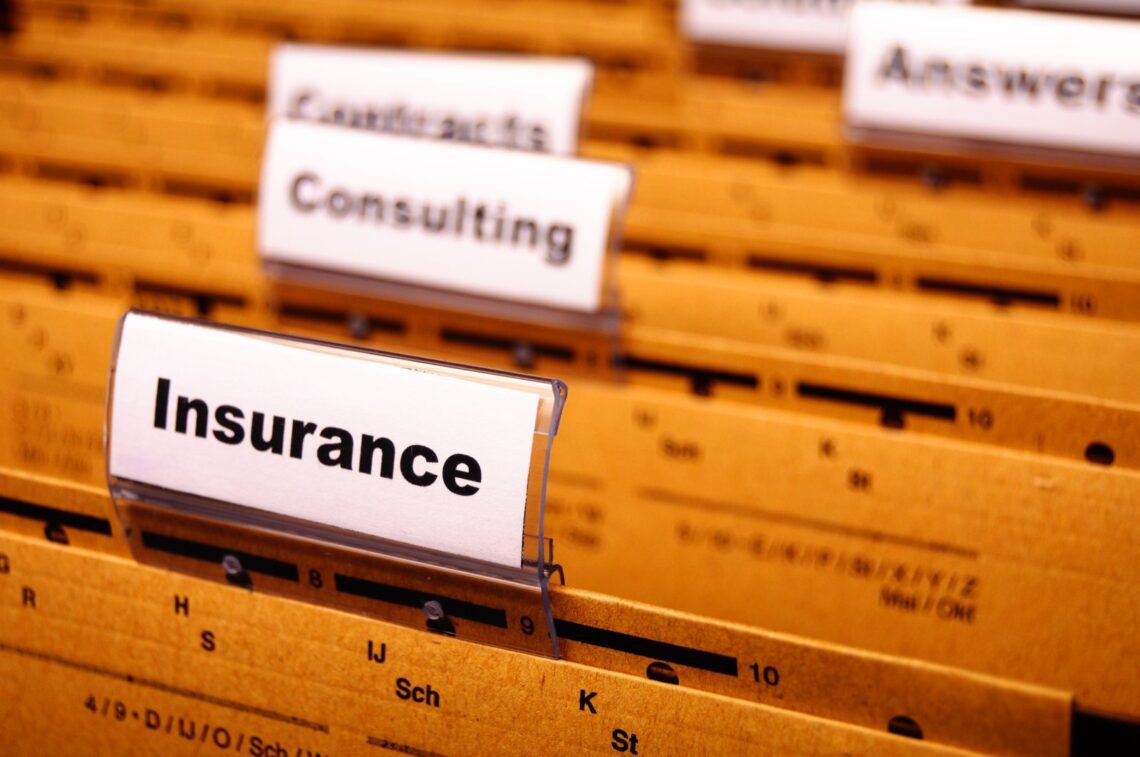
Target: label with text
column 818, row 26
column 332, row 437
column 496, row 224
column 1015, row 77
column 519, row 102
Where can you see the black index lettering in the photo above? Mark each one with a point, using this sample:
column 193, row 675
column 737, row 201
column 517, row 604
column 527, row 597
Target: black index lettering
column 276, row 442
column 408, row 465
column 161, row 401
column 896, row 67
column 426, row 695
column 1070, row 90
column 181, row 605
column 480, row 212
column 182, row 416
column 461, row 473
column 538, row 138
column 301, row 429
column 459, row 468
column 1026, row 83
column 402, row 213
column 622, row 740
column 368, row 447
column 1103, row 85
column 559, row 243
column 977, row 79
column 1132, row 99
column 493, row 224
column 586, row 701
column 527, row 226
column 305, row 206
column 227, row 417
column 337, row 453
column 299, row 102
column 509, row 128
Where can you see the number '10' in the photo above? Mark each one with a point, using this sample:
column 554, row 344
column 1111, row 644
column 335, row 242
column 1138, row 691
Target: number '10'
column 767, row 674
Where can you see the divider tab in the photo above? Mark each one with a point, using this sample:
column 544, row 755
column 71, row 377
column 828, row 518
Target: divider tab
column 520, row 102
column 242, row 455
column 498, row 235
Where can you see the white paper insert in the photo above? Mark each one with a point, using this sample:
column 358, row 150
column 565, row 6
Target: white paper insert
column 501, row 224
column 1087, row 6
column 998, row 75
column 818, row 26
column 519, row 102
column 423, row 489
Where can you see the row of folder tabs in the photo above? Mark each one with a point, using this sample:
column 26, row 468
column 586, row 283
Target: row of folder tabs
column 844, row 356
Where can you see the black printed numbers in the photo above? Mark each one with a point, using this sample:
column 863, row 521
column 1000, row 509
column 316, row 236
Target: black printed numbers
column 767, row 674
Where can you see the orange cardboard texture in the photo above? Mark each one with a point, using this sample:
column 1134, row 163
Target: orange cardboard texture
column 165, row 663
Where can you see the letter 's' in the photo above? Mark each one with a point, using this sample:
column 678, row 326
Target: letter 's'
column 224, row 416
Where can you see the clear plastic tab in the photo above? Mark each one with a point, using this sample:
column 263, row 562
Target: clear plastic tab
column 408, row 489
column 446, row 230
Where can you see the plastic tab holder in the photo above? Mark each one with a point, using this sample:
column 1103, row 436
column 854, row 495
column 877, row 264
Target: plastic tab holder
column 406, row 489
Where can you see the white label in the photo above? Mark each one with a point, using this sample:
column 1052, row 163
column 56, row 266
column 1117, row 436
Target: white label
column 997, row 75
column 525, row 103
column 809, row 25
column 1087, row 6
column 325, row 436
column 494, row 223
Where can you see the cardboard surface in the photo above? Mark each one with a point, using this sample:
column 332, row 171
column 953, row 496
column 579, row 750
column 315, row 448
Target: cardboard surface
column 291, row 671
column 929, row 577
column 1028, row 251
column 942, row 551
